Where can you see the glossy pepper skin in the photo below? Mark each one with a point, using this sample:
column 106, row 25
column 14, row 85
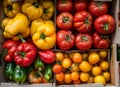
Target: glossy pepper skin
column 32, row 9
column 47, row 56
column 101, row 41
column 11, row 8
column 48, row 72
column 20, row 74
column 25, row 54
column 45, row 37
column 19, row 24
column 48, row 9
column 38, row 64
column 10, row 47
column 37, row 23
column 9, row 70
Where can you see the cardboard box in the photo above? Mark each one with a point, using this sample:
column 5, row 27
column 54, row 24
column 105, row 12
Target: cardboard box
column 113, row 67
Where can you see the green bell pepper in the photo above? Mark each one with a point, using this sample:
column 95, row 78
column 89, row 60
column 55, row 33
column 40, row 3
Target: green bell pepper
column 38, row 64
column 48, row 72
column 9, row 70
column 20, row 74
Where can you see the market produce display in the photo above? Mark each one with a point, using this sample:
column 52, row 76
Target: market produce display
column 89, row 22
column 30, row 35
column 82, row 67
column 67, row 46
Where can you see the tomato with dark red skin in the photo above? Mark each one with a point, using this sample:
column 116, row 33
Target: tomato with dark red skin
column 104, row 24
column 83, row 22
column 98, row 8
column 83, row 41
column 64, row 5
column 101, row 41
column 80, row 5
column 65, row 39
column 65, row 21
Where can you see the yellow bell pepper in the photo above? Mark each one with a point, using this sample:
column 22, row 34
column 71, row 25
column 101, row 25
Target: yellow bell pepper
column 19, row 24
column 38, row 22
column 4, row 22
column 32, row 9
column 11, row 8
column 48, row 9
column 45, row 37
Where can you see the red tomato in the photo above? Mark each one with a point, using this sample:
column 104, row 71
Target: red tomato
column 83, row 22
column 98, row 8
column 57, row 68
column 64, row 5
column 101, row 41
column 83, row 41
column 65, row 21
column 65, row 39
column 105, row 24
column 80, row 5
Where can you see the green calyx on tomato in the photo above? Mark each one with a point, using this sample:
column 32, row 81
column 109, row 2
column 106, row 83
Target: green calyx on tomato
column 67, row 37
column 106, row 25
column 36, row 74
column 22, row 54
column 99, row 4
column 46, row 10
column 65, row 19
column 35, row 4
column 84, row 39
column 42, row 36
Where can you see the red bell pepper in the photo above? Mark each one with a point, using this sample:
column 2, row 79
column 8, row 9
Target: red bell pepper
column 25, row 54
column 101, row 41
column 10, row 47
column 47, row 56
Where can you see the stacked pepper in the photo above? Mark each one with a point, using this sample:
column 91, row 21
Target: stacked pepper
column 22, row 20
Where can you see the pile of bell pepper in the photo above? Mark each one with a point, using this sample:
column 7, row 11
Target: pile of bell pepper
column 30, row 35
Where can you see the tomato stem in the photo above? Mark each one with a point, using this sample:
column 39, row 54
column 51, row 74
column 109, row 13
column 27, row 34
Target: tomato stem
column 84, row 38
column 9, row 7
column 65, row 19
column 87, row 20
column 106, row 26
column 99, row 4
column 67, row 37
column 46, row 10
column 36, row 74
column 35, row 4
column 22, row 54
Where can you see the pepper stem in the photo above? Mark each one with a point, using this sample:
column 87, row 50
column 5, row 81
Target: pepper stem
column 42, row 36
column 9, row 7
column 21, row 38
column 35, row 4
column 23, row 54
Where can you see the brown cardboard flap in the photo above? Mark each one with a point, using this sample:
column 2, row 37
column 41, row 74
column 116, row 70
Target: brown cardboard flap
column 30, row 85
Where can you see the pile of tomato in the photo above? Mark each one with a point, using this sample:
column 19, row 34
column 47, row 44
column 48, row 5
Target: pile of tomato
column 82, row 67
column 83, row 24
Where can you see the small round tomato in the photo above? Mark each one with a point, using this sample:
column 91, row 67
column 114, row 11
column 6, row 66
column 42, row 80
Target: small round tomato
column 104, row 65
column 57, row 68
column 104, row 24
column 64, row 5
column 83, row 22
column 65, row 21
column 98, row 8
column 80, row 5
column 100, row 79
column 74, row 76
column 60, row 76
column 106, row 75
column 65, row 39
column 67, row 78
column 66, row 63
column 83, row 41
column 96, row 70
column 77, row 58
column 93, row 58
column 84, row 77
column 59, row 56
column 85, row 66
column 74, row 67
column 103, row 54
